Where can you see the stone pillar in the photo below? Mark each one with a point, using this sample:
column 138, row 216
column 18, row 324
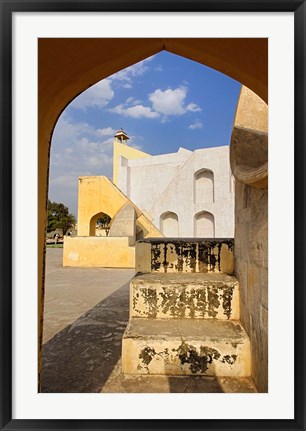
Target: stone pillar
column 249, row 163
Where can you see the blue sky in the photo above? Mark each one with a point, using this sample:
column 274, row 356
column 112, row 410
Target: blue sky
column 163, row 103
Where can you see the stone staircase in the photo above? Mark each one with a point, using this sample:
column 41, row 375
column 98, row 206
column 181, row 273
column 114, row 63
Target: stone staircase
column 184, row 322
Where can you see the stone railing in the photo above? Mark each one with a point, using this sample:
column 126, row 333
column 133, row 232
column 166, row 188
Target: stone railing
column 212, row 255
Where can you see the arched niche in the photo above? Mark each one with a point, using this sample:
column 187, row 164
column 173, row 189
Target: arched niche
column 204, row 187
column 169, row 224
column 204, row 225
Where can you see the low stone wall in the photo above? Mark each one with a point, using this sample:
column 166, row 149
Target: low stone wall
column 185, row 255
column 105, row 252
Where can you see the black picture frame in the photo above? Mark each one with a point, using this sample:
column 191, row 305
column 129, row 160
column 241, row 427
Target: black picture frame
column 7, row 10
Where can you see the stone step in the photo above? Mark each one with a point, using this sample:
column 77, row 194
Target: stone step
column 180, row 296
column 186, row 347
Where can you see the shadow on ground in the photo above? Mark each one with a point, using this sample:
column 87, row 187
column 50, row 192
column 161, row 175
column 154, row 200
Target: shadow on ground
column 86, row 357
column 81, row 357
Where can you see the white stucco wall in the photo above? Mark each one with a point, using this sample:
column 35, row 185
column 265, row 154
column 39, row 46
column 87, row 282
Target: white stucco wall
column 137, row 178
column 166, row 183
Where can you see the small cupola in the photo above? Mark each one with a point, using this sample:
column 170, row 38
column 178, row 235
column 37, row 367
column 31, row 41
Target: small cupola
column 121, row 136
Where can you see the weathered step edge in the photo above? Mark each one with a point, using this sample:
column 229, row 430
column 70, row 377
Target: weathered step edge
column 179, row 297
column 171, row 354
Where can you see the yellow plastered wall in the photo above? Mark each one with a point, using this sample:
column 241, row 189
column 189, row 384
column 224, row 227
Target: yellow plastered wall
column 98, row 194
column 127, row 152
column 93, row 251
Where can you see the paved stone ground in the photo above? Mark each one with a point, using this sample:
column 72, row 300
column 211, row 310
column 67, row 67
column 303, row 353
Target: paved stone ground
column 86, row 312
column 71, row 292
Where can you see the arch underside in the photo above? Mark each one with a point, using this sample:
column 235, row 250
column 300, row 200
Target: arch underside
column 79, row 63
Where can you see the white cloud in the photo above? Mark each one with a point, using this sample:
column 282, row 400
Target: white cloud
column 107, row 131
column 132, row 101
column 193, row 107
column 87, row 145
column 127, row 75
column 169, row 102
column 107, row 142
column 66, row 131
column 98, row 160
column 196, row 125
column 64, row 180
column 136, row 146
column 164, row 103
column 97, row 96
column 133, row 144
column 172, row 102
column 77, row 149
column 101, row 93
column 138, row 111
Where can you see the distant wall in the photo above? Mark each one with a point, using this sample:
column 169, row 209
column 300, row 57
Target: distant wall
column 184, row 183
column 150, row 176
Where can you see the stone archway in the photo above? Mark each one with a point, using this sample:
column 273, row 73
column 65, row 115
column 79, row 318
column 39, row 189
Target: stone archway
column 245, row 60
column 93, row 222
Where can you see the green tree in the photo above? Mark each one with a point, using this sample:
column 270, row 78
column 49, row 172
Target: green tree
column 104, row 220
column 59, row 217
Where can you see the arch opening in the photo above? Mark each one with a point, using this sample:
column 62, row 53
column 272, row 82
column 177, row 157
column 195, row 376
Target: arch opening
column 99, row 224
